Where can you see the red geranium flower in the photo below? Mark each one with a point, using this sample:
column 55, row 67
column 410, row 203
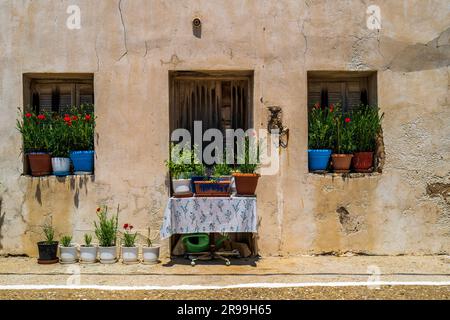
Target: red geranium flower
column 28, row 115
column 87, row 117
column 67, row 118
column 41, row 117
column 131, row 227
column 347, row 120
column 125, row 226
column 74, row 118
column 331, row 108
column 317, row 105
column 69, row 123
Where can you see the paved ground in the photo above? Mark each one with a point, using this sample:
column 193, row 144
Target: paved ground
column 323, row 277
column 385, row 292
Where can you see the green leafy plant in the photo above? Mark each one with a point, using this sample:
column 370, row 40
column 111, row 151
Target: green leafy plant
column 321, row 127
column 148, row 238
column 249, row 159
column 183, row 162
column 60, row 138
column 345, row 137
column 222, row 169
column 35, row 130
column 106, row 229
column 49, row 233
column 82, row 127
column 87, row 240
column 129, row 238
column 58, row 134
column 367, row 125
column 66, row 241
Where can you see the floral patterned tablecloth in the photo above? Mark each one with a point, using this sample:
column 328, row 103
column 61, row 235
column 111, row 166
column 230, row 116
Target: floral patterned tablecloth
column 193, row 215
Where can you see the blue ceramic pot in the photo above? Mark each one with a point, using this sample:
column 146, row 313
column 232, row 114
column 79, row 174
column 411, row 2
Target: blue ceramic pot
column 83, row 161
column 318, row 159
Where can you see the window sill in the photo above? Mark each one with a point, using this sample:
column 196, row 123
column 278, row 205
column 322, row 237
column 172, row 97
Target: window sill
column 351, row 175
column 60, row 178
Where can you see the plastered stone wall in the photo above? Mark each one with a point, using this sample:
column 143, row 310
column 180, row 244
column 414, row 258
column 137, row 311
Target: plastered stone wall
column 131, row 45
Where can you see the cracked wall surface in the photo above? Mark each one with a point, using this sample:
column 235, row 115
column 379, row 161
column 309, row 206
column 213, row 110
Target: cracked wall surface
column 131, row 45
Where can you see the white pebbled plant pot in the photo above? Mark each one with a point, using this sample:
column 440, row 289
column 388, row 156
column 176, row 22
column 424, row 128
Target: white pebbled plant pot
column 61, row 166
column 108, row 255
column 150, row 255
column 88, row 254
column 130, row 254
column 181, row 186
column 68, row 254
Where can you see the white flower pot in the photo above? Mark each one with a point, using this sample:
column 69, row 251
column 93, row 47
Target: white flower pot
column 108, row 254
column 88, row 254
column 68, row 254
column 181, row 186
column 150, row 255
column 61, row 166
column 130, row 254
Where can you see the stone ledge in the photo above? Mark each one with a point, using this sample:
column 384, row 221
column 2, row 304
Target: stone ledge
column 351, row 175
column 60, row 178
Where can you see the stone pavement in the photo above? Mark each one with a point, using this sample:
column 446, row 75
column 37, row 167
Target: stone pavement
column 296, row 277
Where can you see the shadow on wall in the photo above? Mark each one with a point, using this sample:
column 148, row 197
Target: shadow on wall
column 2, row 221
column 82, row 183
column 432, row 55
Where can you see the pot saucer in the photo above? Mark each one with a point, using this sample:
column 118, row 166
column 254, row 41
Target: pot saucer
column 108, row 261
column 68, row 262
column 364, row 170
column 131, row 262
column 88, row 262
column 184, row 195
column 40, row 261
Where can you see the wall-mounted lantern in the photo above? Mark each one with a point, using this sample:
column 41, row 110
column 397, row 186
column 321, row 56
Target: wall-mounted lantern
column 275, row 123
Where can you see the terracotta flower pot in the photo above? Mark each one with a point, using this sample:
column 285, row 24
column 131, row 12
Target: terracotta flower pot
column 341, row 162
column 246, row 183
column 40, row 164
column 363, row 161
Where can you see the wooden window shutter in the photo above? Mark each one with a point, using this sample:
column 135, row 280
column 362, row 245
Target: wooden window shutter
column 314, row 94
column 336, row 93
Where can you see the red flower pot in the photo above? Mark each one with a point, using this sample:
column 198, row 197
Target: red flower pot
column 40, row 164
column 363, row 161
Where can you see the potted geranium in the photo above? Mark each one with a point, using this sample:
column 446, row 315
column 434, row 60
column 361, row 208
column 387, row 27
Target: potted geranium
column 245, row 176
column 130, row 251
column 180, row 168
column 88, row 251
column 82, row 125
column 106, row 233
column 68, row 250
column 59, row 146
column 320, row 137
column 366, row 128
column 342, row 158
column 35, row 130
column 150, row 253
column 48, row 249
